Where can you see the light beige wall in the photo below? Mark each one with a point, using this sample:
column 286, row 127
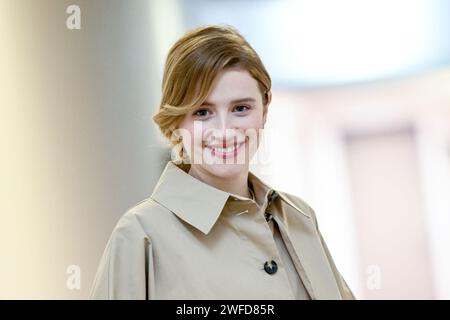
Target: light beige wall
column 77, row 144
column 343, row 144
column 389, row 219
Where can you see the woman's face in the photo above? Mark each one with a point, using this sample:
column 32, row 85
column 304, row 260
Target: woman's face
column 222, row 136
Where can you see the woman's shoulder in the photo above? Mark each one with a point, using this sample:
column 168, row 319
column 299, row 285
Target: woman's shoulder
column 142, row 217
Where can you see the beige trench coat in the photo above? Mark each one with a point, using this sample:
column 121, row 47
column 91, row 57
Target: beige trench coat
column 189, row 240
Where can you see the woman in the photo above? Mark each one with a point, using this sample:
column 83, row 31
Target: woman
column 211, row 229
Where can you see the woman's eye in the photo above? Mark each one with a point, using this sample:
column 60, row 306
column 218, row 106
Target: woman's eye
column 201, row 113
column 242, row 108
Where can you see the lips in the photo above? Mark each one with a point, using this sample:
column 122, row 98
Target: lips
column 225, row 152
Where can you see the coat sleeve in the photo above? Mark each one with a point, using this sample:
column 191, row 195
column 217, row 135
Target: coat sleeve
column 344, row 289
column 346, row 293
column 125, row 270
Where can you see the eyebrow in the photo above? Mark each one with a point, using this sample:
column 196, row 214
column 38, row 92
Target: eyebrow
column 248, row 99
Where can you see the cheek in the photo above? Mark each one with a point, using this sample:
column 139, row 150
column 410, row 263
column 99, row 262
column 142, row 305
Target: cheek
column 254, row 121
column 254, row 130
column 252, row 125
column 249, row 125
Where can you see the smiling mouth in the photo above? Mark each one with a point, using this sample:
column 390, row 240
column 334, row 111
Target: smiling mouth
column 225, row 152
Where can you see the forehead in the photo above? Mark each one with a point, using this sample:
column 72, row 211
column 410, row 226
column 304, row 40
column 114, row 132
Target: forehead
column 233, row 84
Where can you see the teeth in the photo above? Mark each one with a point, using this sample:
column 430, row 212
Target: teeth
column 225, row 150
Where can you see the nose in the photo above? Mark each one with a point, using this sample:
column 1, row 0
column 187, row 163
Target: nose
column 224, row 122
column 223, row 130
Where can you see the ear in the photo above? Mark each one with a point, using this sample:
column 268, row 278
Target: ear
column 266, row 107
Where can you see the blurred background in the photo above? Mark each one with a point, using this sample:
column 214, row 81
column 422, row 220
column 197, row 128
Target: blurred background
column 359, row 127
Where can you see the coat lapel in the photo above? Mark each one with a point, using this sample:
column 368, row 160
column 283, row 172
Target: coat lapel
column 297, row 226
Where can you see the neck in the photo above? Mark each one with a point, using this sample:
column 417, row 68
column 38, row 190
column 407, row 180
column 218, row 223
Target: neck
column 236, row 184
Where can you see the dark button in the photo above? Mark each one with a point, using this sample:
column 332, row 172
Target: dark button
column 272, row 196
column 270, row 267
column 268, row 215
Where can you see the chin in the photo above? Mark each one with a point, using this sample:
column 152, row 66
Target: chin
column 225, row 170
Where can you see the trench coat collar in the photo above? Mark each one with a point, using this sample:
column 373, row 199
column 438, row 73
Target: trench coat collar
column 200, row 205
column 196, row 202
